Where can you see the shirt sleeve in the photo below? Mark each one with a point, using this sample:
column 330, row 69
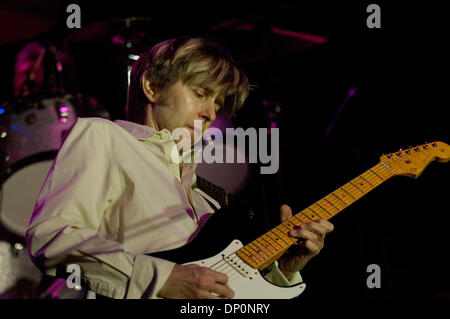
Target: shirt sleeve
column 80, row 189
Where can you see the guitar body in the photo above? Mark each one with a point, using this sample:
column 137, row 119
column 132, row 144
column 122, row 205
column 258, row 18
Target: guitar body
column 215, row 246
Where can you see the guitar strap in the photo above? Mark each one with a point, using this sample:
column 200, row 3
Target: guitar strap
column 218, row 193
column 224, row 198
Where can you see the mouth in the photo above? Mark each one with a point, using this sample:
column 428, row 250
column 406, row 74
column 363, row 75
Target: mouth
column 193, row 130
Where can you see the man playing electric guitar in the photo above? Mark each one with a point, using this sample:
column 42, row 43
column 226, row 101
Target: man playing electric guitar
column 114, row 194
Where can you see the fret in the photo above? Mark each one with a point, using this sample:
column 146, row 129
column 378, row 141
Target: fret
column 256, row 249
column 343, row 195
column 267, row 238
column 329, row 202
column 241, row 254
column 357, row 194
column 244, row 250
column 266, row 246
column 302, row 212
column 301, row 221
column 372, row 179
column 283, row 231
column 316, row 213
column 308, row 214
column 362, row 185
column 317, row 203
column 347, row 192
column 338, row 205
column 339, row 198
column 252, row 254
column 294, row 221
column 283, row 236
column 382, row 180
column 357, row 187
column 362, row 177
column 288, row 224
column 276, row 239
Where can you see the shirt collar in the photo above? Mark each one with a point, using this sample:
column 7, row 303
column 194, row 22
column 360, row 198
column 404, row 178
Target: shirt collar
column 145, row 132
column 139, row 131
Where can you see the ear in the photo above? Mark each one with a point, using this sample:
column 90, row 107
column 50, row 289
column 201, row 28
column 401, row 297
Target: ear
column 149, row 89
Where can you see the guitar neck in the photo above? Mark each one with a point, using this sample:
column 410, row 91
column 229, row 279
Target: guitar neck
column 264, row 250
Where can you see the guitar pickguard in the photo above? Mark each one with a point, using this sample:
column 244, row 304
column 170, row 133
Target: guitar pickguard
column 247, row 282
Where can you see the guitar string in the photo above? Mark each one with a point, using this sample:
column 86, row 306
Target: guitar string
column 372, row 178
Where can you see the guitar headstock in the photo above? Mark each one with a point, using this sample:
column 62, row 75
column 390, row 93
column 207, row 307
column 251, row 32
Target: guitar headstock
column 412, row 161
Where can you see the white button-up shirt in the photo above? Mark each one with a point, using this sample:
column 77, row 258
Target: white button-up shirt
column 112, row 196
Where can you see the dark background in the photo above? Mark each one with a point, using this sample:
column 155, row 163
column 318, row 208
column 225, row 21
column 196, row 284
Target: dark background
column 400, row 76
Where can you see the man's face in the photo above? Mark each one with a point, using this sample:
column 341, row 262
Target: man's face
column 181, row 105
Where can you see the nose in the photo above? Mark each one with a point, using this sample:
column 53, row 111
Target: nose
column 209, row 112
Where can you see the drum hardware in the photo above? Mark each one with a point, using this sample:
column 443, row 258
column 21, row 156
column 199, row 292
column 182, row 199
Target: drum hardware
column 19, row 277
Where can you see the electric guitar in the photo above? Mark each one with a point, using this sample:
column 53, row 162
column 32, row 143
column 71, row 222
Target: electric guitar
column 243, row 263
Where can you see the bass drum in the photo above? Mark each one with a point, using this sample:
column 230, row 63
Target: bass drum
column 34, row 135
column 32, row 130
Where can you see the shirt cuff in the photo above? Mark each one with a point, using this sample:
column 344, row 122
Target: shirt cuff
column 148, row 277
column 276, row 276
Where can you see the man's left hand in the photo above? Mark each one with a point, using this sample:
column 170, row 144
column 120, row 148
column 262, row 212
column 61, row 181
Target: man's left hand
column 311, row 236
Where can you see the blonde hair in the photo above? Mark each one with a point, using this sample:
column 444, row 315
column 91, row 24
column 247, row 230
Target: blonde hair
column 197, row 61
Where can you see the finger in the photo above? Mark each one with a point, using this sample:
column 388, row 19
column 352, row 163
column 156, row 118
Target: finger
column 222, row 291
column 220, row 287
column 208, row 286
column 313, row 248
column 314, row 228
column 219, row 277
column 206, row 294
column 329, row 226
column 305, row 234
column 285, row 212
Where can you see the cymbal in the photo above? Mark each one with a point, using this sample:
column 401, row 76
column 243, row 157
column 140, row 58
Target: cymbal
column 255, row 42
column 18, row 24
column 127, row 33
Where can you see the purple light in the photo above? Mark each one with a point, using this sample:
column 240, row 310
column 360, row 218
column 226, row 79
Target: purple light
column 303, row 36
column 352, row 91
column 63, row 109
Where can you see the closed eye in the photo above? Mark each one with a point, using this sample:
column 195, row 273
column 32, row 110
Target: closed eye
column 199, row 93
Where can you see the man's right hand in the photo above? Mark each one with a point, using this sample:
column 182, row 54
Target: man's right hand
column 195, row 282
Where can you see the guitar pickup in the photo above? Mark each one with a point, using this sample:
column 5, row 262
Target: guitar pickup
column 240, row 266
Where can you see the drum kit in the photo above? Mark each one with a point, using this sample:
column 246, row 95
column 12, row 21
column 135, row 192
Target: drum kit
column 33, row 124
